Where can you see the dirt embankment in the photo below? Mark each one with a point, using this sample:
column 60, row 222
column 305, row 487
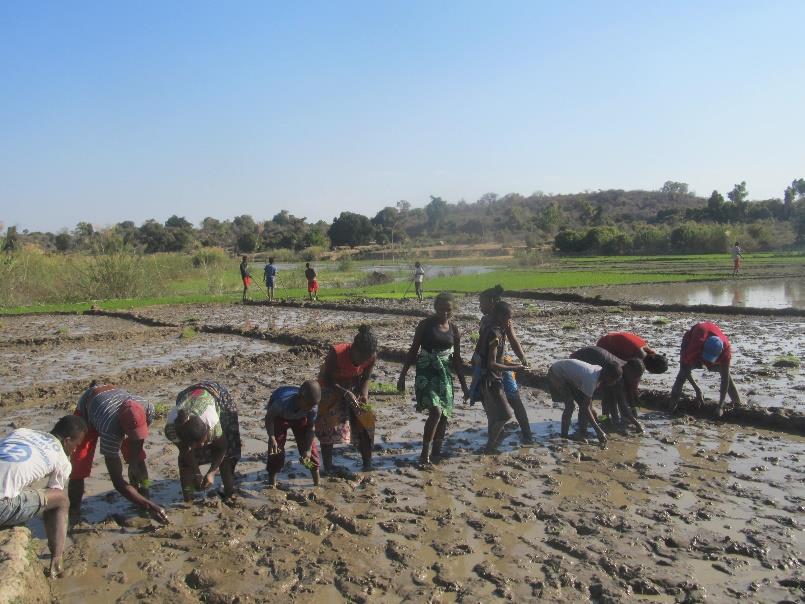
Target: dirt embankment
column 21, row 576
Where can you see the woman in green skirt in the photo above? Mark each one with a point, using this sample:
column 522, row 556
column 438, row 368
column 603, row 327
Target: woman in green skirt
column 435, row 350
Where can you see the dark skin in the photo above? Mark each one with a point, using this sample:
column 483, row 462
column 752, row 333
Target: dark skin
column 306, row 403
column 138, row 473
column 727, row 386
column 190, row 474
column 487, row 304
column 492, row 364
column 357, row 357
column 585, row 407
column 436, row 423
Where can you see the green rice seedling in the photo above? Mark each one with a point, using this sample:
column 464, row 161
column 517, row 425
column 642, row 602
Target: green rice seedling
column 570, row 325
column 161, row 410
column 187, row 333
column 788, row 361
column 381, row 388
column 660, row 321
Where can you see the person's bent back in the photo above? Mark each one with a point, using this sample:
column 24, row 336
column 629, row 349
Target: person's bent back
column 29, row 456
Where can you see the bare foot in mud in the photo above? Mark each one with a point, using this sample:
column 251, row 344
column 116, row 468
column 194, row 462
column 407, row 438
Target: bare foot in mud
column 579, row 438
column 338, row 472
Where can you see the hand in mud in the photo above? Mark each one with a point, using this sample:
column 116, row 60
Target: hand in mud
column 273, row 448
column 401, row 384
column 362, row 399
column 158, row 514
column 207, row 482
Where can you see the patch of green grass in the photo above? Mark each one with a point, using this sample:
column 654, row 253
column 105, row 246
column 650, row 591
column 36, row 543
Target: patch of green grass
column 660, row 321
column 380, row 388
column 570, row 325
column 161, row 410
column 616, row 310
column 63, row 330
column 187, row 332
column 788, row 361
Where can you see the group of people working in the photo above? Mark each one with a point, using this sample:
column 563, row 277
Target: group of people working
column 333, row 409
column 271, row 276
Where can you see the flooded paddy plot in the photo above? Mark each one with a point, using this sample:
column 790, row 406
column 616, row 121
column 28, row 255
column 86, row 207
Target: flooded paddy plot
column 13, row 328
column 754, row 293
column 22, row 366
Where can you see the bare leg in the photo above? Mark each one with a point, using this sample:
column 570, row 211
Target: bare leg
column 438, row 438
column 567, row 415
column 522, row 416
column 187, row 479
column 75, row 491
column 733, row 392
column 55, row 517
column 228, row 476
column 327, row 457
column 587, row 410
column 676, row 391
column 428, row 434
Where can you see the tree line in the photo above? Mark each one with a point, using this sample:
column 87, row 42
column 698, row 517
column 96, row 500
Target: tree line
column 670, row 219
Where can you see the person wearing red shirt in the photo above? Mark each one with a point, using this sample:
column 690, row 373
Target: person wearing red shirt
column 705, row 345
column 626, row 346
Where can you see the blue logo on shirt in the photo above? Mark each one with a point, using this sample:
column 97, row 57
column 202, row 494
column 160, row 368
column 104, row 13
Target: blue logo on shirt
column 14, row 451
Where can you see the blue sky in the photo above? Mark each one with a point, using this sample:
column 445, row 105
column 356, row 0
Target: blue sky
column 112, row 111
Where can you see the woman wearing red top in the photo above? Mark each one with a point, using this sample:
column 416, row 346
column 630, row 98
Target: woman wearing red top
column 705, row 345
column 626, row 346
column 344, row 411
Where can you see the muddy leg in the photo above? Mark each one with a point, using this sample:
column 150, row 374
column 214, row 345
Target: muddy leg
column 327, row 457
column 438, row 438
column 522, row 416
column 733, row 392
column 428, row 435
column 228, row 477
column 187, row 479
column 55, row 517
column 567, row 415
column 676, row 391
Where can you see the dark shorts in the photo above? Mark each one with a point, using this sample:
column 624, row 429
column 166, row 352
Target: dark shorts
column 270, row 281
column 29, row 504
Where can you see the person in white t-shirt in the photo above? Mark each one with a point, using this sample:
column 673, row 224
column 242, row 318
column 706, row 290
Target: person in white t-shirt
column 573, row 381
column 28, row 457
column 419, row 277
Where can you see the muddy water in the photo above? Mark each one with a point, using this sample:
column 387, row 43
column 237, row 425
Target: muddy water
column 756, row 293
column 62, row 326
column 22, row 366
column 689, row 511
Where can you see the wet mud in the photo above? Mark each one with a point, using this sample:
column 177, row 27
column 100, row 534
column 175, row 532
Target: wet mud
column 693, row 510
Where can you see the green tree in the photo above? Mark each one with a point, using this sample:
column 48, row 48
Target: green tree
column 715, row 205
column 671, row 187
column 12, row 241
column 436, row 212
column 351, row 229
column 738, row 197
column 63, row 241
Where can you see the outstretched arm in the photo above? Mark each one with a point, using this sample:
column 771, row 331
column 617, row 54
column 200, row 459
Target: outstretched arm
column 515, row 343
column 115, row 467
column 458, row 363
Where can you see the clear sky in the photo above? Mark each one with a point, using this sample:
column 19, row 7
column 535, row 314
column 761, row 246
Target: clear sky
column 112, row 110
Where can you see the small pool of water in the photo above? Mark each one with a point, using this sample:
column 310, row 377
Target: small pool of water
column 750, row 293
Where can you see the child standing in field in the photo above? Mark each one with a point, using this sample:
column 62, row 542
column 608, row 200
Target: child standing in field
column 737, row 256
column 312, row 282
column 245, row 276
column 270, row 275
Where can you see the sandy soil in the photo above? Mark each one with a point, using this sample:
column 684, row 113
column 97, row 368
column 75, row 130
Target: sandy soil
column 691, row 510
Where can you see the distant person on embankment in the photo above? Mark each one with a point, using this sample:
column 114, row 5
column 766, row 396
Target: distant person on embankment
column 27, row 457
column 419, row 278
column 312, row 282
column 737, row 256
column 344, row 410
column 705, row 345
column 486, row 301
column 204, row 426
column 270, row 276
column 294, row 407
column 491, row 352
column 626, row 346
column 615, row 398
column 120, row 420
column 245, row 276
column 435, row 350
column 574, row 382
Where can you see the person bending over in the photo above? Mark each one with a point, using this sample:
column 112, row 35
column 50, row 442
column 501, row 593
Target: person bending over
column 705, row 345
column 120, row 420
column 344, row 411
column 293, row 407
column 28, row 456
column 204, row 426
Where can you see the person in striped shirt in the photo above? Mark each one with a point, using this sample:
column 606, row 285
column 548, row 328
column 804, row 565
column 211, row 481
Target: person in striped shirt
column 120, row 421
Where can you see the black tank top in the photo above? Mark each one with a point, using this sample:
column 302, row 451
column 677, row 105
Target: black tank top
column 434, row 339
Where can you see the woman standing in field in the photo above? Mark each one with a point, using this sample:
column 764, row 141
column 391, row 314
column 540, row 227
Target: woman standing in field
column 204, row 426
column 435, row 350
column 487, row 300
column 344, row 410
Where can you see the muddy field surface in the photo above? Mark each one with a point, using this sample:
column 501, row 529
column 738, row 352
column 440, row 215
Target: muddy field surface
column 44, row 328
column 692, row 510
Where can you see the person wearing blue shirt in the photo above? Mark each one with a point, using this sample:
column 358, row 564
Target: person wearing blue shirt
column 270, row 275
column 293, row 407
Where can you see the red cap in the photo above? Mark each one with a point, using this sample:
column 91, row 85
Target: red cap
column 133, row 421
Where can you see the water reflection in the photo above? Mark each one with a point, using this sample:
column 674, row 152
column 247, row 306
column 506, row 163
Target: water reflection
column 763, row 293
